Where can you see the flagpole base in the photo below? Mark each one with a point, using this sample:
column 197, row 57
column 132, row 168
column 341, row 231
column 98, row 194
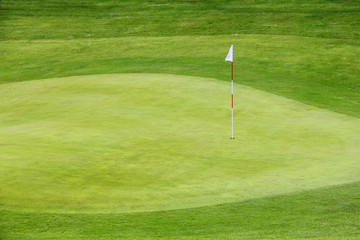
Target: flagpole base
column 232, row 138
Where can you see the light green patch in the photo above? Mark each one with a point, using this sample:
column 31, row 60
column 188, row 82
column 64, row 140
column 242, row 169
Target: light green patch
column 143, row 142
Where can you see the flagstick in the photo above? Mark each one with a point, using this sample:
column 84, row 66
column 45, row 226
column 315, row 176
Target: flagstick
column 229, row 58
column 232, row 101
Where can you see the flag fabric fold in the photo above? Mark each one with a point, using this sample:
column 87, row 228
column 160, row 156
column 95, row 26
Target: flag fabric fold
column 229, row 57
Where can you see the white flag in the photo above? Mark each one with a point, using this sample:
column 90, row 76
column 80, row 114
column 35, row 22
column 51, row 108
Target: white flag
column 229, row 57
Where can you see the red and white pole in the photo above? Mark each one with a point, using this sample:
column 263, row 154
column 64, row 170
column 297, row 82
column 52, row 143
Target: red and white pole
column 232, row 102
column 229, row 58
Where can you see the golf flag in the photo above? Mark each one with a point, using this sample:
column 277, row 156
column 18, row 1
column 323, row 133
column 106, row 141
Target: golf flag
column 229, row 57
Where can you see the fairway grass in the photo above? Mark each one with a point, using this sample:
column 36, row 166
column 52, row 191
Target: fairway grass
column 112, row 155
column 319, row 72
column 146, row 142
column 322, row 214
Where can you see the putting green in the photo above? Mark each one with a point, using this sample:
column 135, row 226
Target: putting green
column 143, row 142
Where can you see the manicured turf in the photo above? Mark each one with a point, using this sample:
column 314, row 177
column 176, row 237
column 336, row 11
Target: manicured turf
column 322, row 214
column 38, row 19
column 139, row 142
column 307, row 51
column 61, row 140
column 99, row 145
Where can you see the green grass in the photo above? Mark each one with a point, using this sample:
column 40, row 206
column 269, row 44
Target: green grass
column 310, row 56
column 61, row 181
column 108, row 144
column 319, row 72
column 114, row 143
column 322, row 214
column 52, row 19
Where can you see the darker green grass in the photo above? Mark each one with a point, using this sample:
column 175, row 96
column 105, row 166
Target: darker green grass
column 327, row 213
column 319, row 72
column 305, row 50
column 319, row 68
column 39, row 19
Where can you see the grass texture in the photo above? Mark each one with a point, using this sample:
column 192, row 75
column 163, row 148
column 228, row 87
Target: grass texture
column 303, row 50
column 114, row 156
column 39, row 19
column 321, row 214
column 144, row 142
column 319, row 72
column 79, row 152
